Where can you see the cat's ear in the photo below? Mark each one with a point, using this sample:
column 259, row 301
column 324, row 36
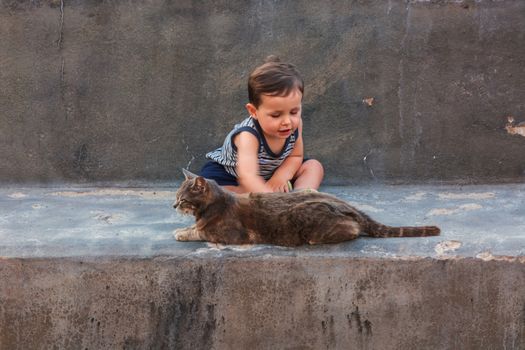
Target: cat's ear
column 188, row 174
column 200, row 184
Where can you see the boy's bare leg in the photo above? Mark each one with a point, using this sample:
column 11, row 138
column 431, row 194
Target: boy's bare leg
column 309, row 175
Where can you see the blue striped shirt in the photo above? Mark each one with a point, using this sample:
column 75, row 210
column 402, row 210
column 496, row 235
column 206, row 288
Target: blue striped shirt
column 268, row 161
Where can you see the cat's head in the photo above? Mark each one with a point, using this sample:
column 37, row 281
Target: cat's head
column 192, row 194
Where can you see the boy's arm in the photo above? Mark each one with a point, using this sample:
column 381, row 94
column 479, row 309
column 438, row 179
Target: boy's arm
column 279, row 180
column 248, row 164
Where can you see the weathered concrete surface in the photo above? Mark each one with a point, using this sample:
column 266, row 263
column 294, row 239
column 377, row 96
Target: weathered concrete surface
column 134, row 90
column 94, row 91
column 476, row 221
column 97, row 268
column 261, row 302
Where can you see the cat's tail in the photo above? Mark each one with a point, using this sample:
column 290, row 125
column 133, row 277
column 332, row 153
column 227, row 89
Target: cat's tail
column 375, row 229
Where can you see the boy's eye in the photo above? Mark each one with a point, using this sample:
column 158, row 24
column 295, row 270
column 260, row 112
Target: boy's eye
column 275, row 115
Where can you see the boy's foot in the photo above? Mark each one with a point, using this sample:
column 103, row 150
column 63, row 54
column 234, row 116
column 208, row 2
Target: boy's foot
column 308, row 190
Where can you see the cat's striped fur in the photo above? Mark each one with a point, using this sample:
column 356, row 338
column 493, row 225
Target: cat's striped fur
column 287, row 219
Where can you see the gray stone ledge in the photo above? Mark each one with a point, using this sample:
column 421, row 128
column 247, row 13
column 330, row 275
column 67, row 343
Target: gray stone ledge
column 476, row 221
column 97, row 268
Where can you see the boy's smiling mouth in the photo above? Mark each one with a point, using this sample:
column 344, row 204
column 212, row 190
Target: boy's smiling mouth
column 285, row 131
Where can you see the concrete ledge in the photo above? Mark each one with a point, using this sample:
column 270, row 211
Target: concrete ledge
column 476, row 221
column 264, row 302
column 97, row 268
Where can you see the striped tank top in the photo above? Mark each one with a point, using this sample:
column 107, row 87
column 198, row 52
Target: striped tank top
column 268, row 161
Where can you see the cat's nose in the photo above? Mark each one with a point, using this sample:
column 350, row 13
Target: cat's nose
column 175, row 205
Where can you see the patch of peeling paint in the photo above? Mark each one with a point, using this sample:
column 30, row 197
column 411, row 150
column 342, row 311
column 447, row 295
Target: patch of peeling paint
column 478, row 195
column 416, row 196
column 515, row 129
column 240, row 248
column 450, row 211
column 220, row 248
column 369, row 101
column 447, row 246
column 17, row 195
column 488, row 256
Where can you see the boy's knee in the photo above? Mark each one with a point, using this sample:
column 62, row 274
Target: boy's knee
column 314, row 165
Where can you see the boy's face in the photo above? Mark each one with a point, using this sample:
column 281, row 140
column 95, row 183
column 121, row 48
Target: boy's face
column 278, row 116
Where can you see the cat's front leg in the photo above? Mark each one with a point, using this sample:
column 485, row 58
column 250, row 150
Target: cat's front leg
column 187, row 234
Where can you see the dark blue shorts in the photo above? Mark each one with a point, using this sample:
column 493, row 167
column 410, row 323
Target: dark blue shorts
column 215, row 171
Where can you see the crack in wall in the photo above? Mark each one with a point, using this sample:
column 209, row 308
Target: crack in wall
column 60, row 45
column 189, row 153
column 401, row 72
column 365, row 161
column 61, row 31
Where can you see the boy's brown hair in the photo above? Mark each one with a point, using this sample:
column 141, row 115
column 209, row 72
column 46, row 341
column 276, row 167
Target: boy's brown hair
column 273, row 78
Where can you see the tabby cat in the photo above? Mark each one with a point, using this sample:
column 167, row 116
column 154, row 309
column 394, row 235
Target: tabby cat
column 286, row 219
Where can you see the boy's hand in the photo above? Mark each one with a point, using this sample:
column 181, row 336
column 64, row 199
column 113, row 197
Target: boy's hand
column 278, row 184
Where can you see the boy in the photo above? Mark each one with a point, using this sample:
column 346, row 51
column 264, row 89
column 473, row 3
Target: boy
column 264, row 153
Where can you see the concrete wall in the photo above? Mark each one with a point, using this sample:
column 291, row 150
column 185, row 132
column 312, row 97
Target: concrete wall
column 262, row 303
column 134, row 90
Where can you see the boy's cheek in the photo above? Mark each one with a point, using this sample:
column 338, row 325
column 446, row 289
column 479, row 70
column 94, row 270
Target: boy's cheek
column 296, row 122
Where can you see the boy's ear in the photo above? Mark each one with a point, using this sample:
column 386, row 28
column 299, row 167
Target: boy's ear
column 188, row 174
column 252, row 110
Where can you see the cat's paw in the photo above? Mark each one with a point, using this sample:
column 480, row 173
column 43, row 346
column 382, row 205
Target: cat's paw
column 182, row 234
